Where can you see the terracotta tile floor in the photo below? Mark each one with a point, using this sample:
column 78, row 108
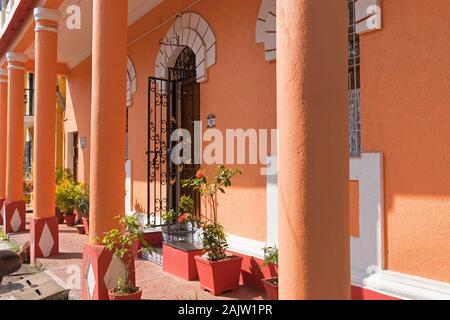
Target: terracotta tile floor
column 156, row 284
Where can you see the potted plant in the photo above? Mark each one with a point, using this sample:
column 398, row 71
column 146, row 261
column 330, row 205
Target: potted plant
column 66, row 197
column 169, row 218
column 83, row 206
column 218, row 272
column 120, row 242
column 270, row 284
column 61, row 176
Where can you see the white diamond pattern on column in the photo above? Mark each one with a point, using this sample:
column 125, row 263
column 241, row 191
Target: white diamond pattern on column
column 46, row 242
column 90, row 279
column 16, row 221
column 115, row 271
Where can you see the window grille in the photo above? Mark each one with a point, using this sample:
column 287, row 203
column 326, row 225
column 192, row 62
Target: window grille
column 354, row 93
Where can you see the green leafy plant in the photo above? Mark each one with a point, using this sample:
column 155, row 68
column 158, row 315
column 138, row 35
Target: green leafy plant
column 270, row 256
column 214, row 241
column 210, row 188
column 82, row 200
column 63, row 175
column 120, row 242
column 3, row 236
column 170, row 216
column 67, row 195
column 186, row 204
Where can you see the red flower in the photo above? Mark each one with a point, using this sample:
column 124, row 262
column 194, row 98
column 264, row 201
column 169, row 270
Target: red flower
column 200, row 174
column 183, row 217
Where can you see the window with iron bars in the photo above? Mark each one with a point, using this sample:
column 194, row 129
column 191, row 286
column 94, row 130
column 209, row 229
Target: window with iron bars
column 354, row 93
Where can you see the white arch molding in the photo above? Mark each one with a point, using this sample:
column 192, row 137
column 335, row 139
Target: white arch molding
column 131, row 82
column 193, row 31
column 266, row 28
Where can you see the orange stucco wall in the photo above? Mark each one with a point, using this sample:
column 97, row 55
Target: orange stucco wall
column 405, row 115
column 77, row 117
column 354, row 209
column 232, row 93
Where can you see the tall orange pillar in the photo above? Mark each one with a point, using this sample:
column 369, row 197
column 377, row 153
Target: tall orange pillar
column 3, row 140
column 44, row 225
column 108, row 119
column 14, row 211
column 312, row 116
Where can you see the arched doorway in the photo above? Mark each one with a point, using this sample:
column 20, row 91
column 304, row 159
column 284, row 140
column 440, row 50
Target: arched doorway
column 174, row 103
column 186, row 110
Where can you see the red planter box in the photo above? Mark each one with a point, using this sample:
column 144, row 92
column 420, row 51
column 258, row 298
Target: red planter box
column 132, row 296
column 154, row 239
column 271, row 288
column 219, row 277
column 70, row 220
column 179, row 260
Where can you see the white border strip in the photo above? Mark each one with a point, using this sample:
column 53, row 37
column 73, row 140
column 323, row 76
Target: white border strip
column 246, row 246
column 402, row 286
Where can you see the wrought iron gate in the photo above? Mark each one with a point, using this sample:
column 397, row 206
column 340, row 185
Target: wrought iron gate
column 173, row 104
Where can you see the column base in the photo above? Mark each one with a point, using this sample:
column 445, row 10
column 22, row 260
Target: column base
column 14, row 216
column 101, row 270
column 44, row 238
column 2, row 202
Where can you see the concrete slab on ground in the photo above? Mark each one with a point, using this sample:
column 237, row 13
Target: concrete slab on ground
column 36, row 287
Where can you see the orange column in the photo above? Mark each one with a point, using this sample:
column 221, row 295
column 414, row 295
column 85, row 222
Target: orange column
column 312, row 115
column 14, row 209
column 108, row 117
column 3, row 125
column 44, row 225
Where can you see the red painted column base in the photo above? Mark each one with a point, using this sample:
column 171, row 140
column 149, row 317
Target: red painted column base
column 14, row 216
column 44, row 238
column 2, row 202
column 101, row 270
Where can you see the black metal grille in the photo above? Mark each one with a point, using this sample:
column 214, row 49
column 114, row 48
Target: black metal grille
column 354, row 84
column 173, row 104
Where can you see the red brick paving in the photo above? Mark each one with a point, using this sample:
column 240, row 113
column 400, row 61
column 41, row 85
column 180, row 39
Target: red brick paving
column 156, row 284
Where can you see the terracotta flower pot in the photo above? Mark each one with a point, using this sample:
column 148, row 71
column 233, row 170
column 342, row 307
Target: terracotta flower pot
column 271, row 288
column 132, row 296
column 86, row 224
column 80, row 229
column 70, row 220
column 59, row 216
column 220, row 276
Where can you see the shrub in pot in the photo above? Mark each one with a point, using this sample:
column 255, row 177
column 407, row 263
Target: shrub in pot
column 217, row 271
column 83, row 206
column 66, row 197
column 120, row 243
column 270, row 284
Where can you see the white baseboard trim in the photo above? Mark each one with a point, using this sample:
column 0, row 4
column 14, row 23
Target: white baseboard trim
column 246, row 246
column 403, row 286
